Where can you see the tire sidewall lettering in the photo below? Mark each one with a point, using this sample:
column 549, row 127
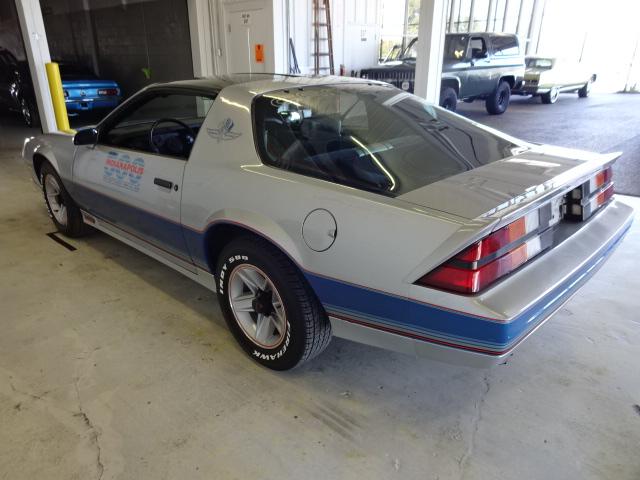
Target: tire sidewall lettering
column 226, row 269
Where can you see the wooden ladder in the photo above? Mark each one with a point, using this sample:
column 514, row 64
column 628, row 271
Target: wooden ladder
column 320, row 6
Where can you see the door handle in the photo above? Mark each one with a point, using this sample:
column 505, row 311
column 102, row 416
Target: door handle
column 163, row 183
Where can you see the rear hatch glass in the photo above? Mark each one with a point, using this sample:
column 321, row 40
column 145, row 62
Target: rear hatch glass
column 371, row 137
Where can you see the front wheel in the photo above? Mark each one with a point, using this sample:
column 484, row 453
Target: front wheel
column 62, row 209
column 449, row 99
column 269, row 306
column 551, row 96
column 498, row 101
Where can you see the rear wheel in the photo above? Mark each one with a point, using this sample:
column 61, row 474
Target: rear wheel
column 498, row 101
column 551, row 96
column 269, row 306
column 449, row 99
column 63, row 211
column 585, row 90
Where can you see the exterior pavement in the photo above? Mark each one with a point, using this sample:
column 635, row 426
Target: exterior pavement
column 600, row 123
column 113, row 366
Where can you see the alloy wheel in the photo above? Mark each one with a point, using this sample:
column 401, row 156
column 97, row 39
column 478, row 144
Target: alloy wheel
column 53, row 192
column 257, row 306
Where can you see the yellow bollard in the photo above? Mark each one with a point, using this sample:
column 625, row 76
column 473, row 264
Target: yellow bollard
column 57, row 97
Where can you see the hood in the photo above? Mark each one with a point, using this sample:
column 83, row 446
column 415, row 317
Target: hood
column 500, row 187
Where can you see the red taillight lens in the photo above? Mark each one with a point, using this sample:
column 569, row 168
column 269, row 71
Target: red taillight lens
column 107, row 91
column 492, row 257
column 472, row 281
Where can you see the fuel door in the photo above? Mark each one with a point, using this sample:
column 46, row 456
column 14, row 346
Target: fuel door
column 319, row 230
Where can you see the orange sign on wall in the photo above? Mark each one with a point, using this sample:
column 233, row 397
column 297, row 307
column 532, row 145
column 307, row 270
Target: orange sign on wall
column 259, row 53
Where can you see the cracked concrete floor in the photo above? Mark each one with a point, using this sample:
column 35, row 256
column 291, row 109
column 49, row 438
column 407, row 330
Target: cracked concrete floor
column 113, row 366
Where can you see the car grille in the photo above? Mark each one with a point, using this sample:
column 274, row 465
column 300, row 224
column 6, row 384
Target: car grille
column 394, row 78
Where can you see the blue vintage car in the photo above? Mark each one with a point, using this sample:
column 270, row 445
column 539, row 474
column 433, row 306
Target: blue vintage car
column 84, row 91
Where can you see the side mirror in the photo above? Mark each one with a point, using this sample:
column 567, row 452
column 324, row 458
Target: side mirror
column 477, row 54
column 86, row 136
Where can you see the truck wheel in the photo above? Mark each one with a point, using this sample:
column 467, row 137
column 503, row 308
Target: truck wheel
column 585, row 90
column 551, row 96
column 269, row 306
column 62, row 209
column 448, row 99
column 29, row 112
column 498, row 101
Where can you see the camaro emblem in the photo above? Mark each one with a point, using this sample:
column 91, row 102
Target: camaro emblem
column 83, row 93
column 223, row 132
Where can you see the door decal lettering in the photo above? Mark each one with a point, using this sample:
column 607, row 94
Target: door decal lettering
column 122, row 171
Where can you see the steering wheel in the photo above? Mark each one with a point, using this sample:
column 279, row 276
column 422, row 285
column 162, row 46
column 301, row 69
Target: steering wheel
column 189, row 139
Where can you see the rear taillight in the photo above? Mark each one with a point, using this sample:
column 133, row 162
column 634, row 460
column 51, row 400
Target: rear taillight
column 107, row 91
column 492, row 257
column 584, row 200
column 503, row 251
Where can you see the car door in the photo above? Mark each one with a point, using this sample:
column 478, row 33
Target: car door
column 480, row 78
column 132, row 178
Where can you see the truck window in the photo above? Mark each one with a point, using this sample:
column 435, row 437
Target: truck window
column 478, row 47
column 505, row 46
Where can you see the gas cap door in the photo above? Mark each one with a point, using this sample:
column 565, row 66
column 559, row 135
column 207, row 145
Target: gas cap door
column 319, row 230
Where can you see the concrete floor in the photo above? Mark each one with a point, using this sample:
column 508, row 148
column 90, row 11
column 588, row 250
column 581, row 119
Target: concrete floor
column 113, row 366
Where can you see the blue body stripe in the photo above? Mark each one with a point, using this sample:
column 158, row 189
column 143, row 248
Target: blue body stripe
column 158, row 231
column 356, row 303
column 429, row 322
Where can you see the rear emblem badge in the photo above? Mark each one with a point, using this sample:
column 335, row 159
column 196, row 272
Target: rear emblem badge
column 223, row 132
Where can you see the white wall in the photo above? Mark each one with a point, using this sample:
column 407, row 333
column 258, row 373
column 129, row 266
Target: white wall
column 356, row 33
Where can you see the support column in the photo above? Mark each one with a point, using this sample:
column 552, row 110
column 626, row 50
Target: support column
column 200, row 27
column 431, row 32
column 453, row 27
column 534, row 26
column 37, row 49
column 472, row 12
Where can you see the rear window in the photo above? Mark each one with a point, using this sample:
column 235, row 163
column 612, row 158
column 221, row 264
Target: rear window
column 369, row 137
column 76, row 72
column 541, row 63
column 505, row 46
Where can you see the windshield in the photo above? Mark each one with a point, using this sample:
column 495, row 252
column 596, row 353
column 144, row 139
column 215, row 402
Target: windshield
column 369, row 137
column 455, row 47
column 540, row 63
column 410, row 53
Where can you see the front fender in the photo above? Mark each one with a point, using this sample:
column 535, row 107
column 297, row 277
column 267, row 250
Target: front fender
column 57, row 149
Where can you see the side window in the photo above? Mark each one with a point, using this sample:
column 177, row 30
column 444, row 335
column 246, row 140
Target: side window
column 478, row 47
column 505, row 46
column 174, row 118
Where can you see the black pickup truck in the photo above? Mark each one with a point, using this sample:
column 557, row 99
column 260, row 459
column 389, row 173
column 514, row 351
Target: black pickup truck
column 475, row 66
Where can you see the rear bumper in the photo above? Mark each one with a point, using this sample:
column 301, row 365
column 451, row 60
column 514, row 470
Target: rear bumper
column 85, row 104
column 521, row 303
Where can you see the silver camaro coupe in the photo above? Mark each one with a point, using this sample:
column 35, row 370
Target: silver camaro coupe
column 335, row 206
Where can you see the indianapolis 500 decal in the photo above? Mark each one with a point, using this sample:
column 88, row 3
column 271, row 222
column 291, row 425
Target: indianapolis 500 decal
column 122, row 171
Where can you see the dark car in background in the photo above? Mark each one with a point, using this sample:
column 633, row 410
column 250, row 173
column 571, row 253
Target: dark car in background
column 16, row 89
column 84, row 91
column 476, row 66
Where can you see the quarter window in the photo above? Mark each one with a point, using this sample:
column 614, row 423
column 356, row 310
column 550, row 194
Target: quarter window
column 505, row 46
